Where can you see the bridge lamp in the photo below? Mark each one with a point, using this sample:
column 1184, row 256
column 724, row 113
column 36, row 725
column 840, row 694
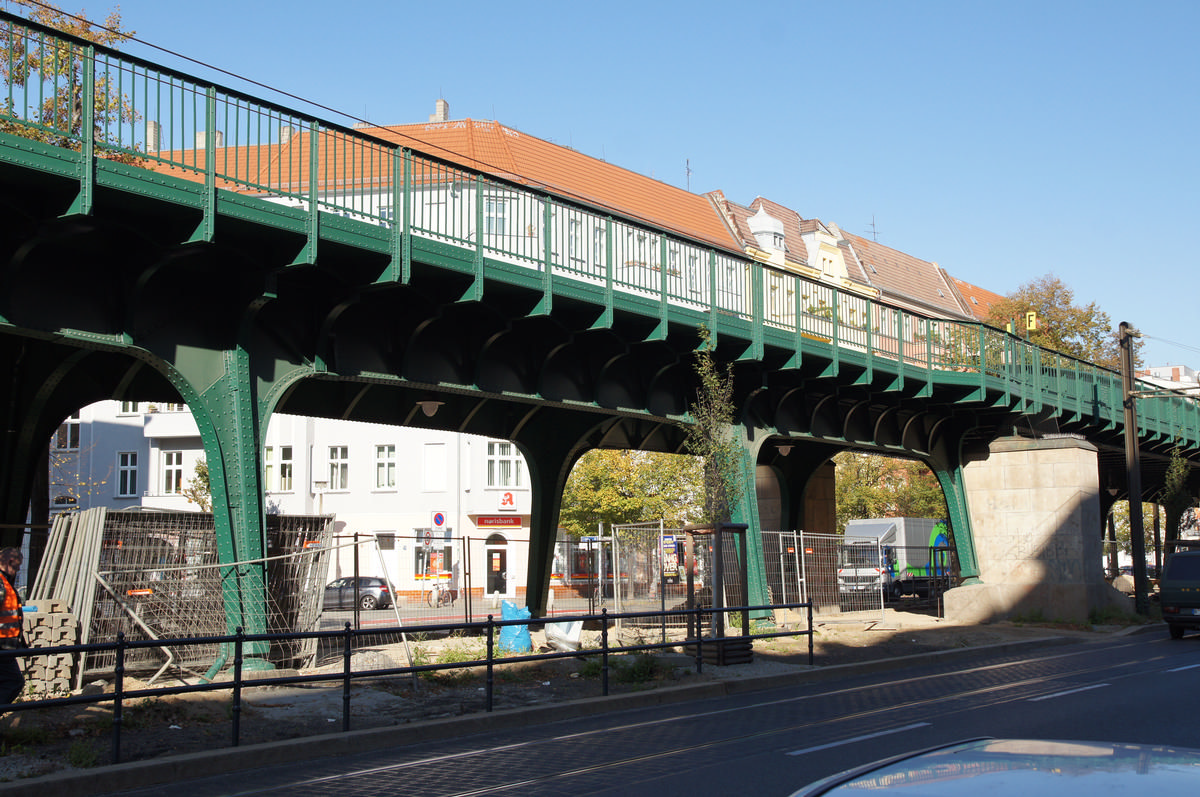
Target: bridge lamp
column 429, row 407
column 784, row 449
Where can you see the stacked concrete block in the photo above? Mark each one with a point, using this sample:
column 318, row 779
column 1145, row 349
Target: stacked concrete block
column 49, row 623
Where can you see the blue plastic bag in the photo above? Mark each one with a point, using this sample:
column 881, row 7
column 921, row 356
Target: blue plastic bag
column 514, row 638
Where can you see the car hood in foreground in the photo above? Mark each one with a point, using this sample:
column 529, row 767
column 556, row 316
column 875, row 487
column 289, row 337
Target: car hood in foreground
column 1025, row 767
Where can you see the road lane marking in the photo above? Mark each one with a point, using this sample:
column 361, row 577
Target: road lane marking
column 1067, row 692
column 855, row 739
column 1181, row 669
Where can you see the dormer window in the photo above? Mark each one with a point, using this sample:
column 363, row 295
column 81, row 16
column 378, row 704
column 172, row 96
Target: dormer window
column 767, row 231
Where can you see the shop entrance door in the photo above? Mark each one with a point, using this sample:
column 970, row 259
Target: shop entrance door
column 497, row 567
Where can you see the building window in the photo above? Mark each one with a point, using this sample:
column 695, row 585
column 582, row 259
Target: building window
column 598, row 245
column 385, row 467
column 172, row 472
column 433, row 562
column 339, row 467
column 269, row 468
column 495, row 216
column 285, row 469
column 127, row 485
column 505, row 466
column 434, row 467
column 67, row 436
column 129, row 408
column 277, row 474
column 573, row 239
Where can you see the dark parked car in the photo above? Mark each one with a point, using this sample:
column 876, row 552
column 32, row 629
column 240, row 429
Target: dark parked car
column 1025, row 767
column 373, row 593
column 1179, row 592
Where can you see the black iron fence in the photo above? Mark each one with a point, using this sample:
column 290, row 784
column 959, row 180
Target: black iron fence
column 240, row 643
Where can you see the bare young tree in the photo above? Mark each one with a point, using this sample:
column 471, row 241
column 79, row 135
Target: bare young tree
column 710, row 435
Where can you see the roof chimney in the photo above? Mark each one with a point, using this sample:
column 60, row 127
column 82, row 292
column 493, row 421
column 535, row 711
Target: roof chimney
column 442, row 114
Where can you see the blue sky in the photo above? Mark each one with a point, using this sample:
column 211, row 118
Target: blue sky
column 1003, row 140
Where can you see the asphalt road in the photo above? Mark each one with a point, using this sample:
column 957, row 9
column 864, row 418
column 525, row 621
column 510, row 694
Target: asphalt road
column 1137, row 688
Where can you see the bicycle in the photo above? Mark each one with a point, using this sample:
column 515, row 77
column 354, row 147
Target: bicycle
column 439, row 596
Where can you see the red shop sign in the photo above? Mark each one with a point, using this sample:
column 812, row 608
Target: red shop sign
column 498, row 521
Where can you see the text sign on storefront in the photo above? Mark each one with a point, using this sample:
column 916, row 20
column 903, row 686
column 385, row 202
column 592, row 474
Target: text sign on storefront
column 498, row 521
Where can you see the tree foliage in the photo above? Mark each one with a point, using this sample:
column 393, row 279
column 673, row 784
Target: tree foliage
column 1084, row 331
column 52, row 74
column 710, row 435
column 871, row 486
column 1175, row 498
column 1120, row 516
column 199, row 489
column 614, row 487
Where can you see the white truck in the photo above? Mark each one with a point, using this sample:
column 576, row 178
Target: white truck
column 892, row 557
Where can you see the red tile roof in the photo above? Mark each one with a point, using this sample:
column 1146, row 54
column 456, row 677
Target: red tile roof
column 494, row 149
column 737, row 216
column 907, row 281
column 978, row 300
column 485, row 146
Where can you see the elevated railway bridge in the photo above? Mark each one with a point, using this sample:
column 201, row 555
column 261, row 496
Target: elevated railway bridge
column 300, row 266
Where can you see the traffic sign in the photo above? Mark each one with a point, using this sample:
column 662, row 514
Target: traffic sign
column 439, row 520
column 428, row 538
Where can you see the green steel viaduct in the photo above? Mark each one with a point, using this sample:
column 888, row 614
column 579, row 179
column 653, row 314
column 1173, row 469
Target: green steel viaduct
column 357, row 278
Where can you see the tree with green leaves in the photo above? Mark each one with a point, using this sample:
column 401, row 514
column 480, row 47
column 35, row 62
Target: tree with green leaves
column 1176, row 499
column 710, row 434
column 615, row 487
column 1085, row 332
column 52, row 73
column 871, row 486
column 199, row 489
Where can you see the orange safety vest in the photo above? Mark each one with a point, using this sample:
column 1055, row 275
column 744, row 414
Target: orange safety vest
column 10, row 611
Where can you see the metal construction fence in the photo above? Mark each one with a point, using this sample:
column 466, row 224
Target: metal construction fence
column 808, row 567
column 852, row 578
column 152, row 575
column 349, row 641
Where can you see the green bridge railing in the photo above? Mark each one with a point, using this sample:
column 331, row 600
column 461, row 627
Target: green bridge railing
column 109, row 106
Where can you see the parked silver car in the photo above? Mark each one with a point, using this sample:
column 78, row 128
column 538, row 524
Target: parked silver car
column 373, row 593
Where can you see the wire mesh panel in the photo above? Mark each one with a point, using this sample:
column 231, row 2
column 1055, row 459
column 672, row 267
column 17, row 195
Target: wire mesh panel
column 824, row 569
column 157, row 576
column 649, row 575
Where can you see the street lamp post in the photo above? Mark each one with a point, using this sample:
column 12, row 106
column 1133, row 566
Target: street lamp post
column 1133, row 471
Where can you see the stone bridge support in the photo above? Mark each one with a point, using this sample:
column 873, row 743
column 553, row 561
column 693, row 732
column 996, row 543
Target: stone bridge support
column 1035, row 515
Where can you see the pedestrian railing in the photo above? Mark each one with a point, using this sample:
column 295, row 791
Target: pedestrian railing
column 120, row 696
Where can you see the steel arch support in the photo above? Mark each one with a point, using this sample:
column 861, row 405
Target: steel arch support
column 229, row 423
column 951, row 479
column 751, row 440
column 551, row 443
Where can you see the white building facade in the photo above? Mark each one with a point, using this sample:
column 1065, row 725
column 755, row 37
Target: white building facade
column 422, row 504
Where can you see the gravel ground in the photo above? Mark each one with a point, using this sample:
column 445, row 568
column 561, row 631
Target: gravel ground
column 44, row 741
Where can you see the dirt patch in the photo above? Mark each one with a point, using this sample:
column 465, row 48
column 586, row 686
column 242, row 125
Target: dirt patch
column 43, row 741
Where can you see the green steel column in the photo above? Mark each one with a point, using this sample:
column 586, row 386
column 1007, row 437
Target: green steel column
column 551, row 444
column 746, row 512
column 951, row 480
column 229, row 419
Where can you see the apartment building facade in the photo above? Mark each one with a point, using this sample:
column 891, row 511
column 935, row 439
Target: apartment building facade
column 416, row 502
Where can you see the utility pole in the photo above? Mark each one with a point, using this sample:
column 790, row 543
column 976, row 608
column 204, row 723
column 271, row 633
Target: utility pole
column 1133, row 471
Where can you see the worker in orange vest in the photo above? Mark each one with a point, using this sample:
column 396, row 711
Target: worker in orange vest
column 12, row 681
